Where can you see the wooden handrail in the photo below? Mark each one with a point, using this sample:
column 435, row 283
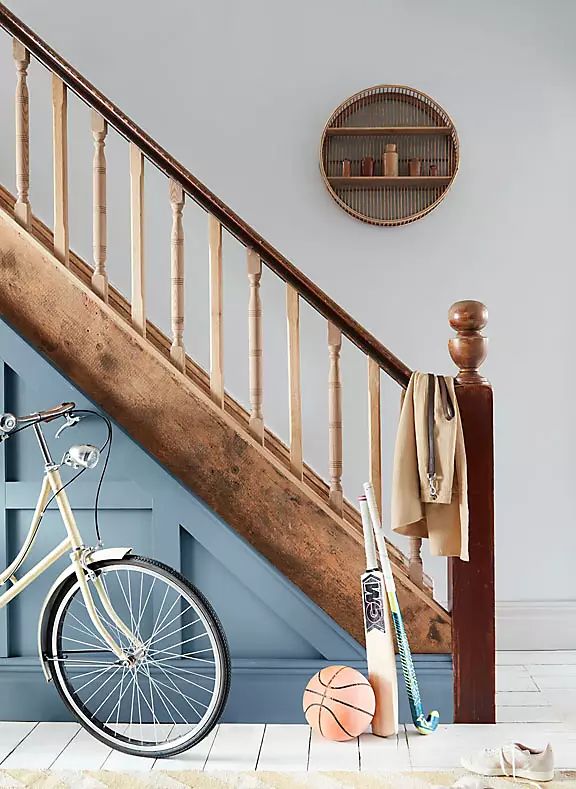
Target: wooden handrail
column 314, row 295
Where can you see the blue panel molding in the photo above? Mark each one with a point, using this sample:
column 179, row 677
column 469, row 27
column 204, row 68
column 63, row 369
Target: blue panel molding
column 115, row 496
column 262, row 691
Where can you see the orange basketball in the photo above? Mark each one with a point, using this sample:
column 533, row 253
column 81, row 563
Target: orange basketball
column 339, row 703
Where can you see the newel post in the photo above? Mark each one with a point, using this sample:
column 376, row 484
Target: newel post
column 471, row 584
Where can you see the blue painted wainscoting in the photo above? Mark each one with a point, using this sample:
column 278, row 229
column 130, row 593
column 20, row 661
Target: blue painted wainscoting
column 278, row 637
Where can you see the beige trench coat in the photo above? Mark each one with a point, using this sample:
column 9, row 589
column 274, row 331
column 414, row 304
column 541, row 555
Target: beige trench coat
column 444, row 520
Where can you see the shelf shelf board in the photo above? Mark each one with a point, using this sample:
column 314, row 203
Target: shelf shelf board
column 378, row 181
column 357, row 131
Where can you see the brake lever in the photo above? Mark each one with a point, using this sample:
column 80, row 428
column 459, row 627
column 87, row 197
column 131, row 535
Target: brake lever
column 70, row 422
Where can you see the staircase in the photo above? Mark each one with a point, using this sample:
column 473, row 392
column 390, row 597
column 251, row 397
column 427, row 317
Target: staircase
column 182, row 414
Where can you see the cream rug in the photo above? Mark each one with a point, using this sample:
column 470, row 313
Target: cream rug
column 46, row 779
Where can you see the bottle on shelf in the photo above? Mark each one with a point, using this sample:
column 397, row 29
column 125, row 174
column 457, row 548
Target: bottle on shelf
column 433, row 169
column 390, row 160
column 346, row 168
column 415, row 167
column 367, row 166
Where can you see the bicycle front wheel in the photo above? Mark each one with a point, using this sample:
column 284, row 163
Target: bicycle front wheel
column 173, row 692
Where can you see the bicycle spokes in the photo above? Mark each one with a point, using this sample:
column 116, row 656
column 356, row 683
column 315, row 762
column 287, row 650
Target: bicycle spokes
column 169, row 685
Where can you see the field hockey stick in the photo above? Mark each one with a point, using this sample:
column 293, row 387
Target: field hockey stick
column 425, row 724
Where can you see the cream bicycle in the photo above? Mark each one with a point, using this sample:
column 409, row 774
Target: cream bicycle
column 136, row 652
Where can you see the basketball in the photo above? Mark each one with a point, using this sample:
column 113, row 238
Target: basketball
column 339, row 703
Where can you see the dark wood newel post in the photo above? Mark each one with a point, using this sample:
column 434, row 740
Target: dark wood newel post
column 471, row 584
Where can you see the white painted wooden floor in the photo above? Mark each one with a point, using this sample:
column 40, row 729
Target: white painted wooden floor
column 536, row 702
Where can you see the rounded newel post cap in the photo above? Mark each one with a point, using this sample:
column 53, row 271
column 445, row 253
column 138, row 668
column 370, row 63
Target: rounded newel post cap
column 468, row 316
column 469, row 348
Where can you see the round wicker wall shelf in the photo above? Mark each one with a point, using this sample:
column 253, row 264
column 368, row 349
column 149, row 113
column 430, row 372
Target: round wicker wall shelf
column 389, row 154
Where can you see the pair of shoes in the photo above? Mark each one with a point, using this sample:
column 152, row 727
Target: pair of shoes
column 512, row 761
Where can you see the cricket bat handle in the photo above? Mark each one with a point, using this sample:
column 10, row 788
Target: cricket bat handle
column 369, row 546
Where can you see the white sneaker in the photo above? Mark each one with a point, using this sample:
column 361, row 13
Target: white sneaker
column 512, row 761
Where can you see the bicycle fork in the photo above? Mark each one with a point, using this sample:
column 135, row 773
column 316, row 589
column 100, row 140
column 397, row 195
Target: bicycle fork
column 79, row 558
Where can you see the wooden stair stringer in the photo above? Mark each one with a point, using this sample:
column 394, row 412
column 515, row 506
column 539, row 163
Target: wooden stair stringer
column 133, row 380
column 120, row 304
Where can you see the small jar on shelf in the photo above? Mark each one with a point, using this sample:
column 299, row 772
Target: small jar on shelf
column 415, row 167
column 390, row 160
column 367, row 166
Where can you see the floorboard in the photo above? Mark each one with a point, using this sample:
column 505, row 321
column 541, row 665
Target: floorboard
column 83, row 752
column 40, row 749
column 125, row 761
column 12, row 734
column 543, row 657
column 285, row 748
column 236, row 747
column 192, row 759
column 327, row 755
column 514, row 678
column 526, row 714
column 384, row 753
column 555, row 682
column 551, row 670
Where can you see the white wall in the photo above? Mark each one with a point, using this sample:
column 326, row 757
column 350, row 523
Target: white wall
column 240, row 92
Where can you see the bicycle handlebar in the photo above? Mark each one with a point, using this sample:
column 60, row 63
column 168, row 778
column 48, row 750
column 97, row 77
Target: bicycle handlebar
column 48, row 415
column 8, row 421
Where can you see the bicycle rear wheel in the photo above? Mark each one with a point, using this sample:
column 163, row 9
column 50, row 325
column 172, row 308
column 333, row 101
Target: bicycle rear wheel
column 174, row 693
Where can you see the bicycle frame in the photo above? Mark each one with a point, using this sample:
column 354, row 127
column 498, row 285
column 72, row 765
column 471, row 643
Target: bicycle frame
column 79, row 556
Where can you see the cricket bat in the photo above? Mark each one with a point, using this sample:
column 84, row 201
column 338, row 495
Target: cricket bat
column 425, row 724
column 379, row 639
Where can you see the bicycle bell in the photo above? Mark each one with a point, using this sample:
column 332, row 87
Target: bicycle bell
column 7, row 423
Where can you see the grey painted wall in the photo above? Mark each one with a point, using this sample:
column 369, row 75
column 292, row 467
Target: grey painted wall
column 278, row 637
column 240, row 93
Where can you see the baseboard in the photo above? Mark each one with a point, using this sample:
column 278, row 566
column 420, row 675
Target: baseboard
column 262, row 691
column 536, row 625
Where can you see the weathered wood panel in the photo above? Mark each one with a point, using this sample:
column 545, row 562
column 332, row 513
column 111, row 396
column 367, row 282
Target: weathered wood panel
column 200, row 443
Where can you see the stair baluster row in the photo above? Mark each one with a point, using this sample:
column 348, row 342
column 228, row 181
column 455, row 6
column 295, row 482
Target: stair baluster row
column 100, row 285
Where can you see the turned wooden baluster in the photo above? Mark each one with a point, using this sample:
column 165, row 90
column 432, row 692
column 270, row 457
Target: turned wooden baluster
column 138, row 309
column 99, row 277
column 472, row 583
column 60, row 158
column 255, row 350
column 22, row 205
column 177, row 351
column 375, row 430
column 216, row 328
column 415, row 569
column 294, row 388
column 335, row 418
